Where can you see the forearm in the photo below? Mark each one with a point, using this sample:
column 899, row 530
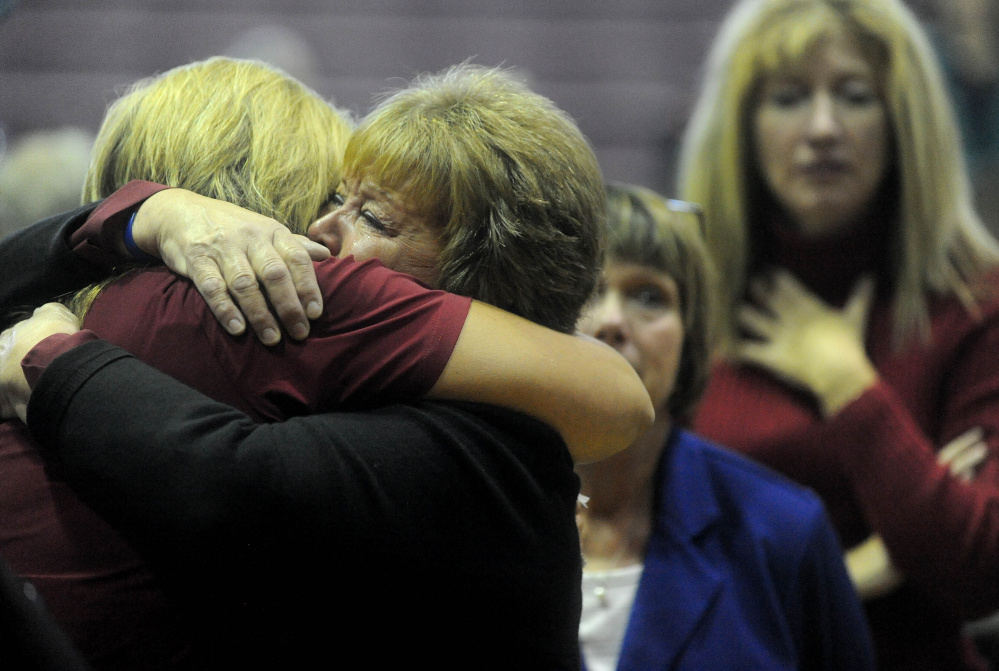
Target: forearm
column 167, row 479
column 69, row 251
column 37, row 263
column 581, row 387
column 942, row 532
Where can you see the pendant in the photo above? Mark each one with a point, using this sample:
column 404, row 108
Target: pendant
column 600, row 592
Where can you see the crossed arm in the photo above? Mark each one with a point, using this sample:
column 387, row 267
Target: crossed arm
column 935, row 509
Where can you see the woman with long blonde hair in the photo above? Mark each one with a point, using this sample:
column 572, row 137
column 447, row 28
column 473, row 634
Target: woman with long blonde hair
column 860, row 319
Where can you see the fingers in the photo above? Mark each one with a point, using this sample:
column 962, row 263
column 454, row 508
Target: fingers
column 316, row 251
column 858, row 306
column 249, row 268
column 755, row 321
column 298, row 254
column 273, row 277
column 964, row 454
column 959, row 444
column 965, row 465
column 758, row 353
column 16, row 342
column 204, row 271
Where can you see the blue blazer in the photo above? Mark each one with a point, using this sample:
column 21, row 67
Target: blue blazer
column 742, row 571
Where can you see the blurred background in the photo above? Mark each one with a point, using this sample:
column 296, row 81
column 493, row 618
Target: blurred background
column 626, row 70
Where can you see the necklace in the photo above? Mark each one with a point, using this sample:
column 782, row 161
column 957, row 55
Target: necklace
column 635, row 534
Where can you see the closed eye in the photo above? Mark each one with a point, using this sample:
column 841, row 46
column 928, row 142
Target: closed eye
column 373, row 221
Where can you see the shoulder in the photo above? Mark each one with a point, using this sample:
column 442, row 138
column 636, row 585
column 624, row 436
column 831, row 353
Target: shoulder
column 483, row 427
column 144, row 299
column 461, row 434
column 749, row 495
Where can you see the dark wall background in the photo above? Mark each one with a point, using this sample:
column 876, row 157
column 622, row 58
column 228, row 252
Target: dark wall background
column 626, row 70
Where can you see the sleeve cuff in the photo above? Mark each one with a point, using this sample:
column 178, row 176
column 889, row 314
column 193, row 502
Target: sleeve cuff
column 97, row 241
column 37, row 360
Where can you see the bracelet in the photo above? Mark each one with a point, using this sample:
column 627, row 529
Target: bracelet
column 133, row 249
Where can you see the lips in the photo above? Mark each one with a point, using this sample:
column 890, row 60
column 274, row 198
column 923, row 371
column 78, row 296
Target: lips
column 825, row 169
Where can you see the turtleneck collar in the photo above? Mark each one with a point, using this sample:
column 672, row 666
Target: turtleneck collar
column 830, row 265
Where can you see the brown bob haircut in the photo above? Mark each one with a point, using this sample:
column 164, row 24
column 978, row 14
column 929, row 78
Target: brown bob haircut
column 648, row 230
column 512, row 183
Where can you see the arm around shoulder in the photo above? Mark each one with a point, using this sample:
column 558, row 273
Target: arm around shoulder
column 579, row 386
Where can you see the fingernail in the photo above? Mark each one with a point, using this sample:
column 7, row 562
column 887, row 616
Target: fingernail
column 299, row 331
column 313, row 311
column 269, row 336
column 235, row 326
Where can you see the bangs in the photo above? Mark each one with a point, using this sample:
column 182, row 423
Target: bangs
column 643, row 229
column 397, row 154
column 786, row 40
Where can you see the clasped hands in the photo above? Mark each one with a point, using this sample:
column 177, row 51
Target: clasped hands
column 805, row 342
column 248, row 267
column 17, row 341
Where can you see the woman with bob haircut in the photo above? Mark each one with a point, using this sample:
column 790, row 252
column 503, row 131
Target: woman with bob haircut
column 696, row 558
column 860, row 319
column 383, row 337
column 482, row 159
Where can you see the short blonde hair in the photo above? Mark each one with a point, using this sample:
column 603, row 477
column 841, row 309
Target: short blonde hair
column 644, row 229
column 511, row 180
column 941, row 245
column 236, row 130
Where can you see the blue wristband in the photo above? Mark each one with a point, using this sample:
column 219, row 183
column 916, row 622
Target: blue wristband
column 133, row 249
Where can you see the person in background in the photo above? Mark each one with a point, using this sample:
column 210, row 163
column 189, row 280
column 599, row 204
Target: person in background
column 695, row 558
column 41, row 175
column 859, row 318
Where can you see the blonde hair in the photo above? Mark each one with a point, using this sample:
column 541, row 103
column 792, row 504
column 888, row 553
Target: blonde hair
column 511, row 180
column 236, row 130
column 645, row 229
column 940, row 246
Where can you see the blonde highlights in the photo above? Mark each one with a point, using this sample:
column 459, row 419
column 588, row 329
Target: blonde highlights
column 235, row 130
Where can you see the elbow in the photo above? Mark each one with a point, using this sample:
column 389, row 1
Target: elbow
column 643, row 416
column 633, row 414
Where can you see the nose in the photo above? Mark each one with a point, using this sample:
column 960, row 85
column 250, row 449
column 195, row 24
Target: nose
column 823, row 122
column 330, row 230
column 607, row 322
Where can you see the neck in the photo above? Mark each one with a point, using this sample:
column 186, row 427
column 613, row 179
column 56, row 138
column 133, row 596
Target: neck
column 614, row 527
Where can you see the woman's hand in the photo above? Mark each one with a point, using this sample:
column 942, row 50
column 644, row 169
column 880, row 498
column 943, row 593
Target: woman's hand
column 869, row 564
column 228, row 252
column 805, row 342
column 17, row 341
column 871, row 569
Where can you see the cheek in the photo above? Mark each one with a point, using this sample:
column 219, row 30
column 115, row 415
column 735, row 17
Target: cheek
column 418, row 257
column 661, row 348
column 587, row 324
column 672, row 349
column 874, row 141
column 770, row 141
column 363, row 247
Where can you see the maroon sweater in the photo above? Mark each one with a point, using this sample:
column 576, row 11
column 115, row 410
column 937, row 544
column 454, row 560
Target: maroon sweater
column 874, row 464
